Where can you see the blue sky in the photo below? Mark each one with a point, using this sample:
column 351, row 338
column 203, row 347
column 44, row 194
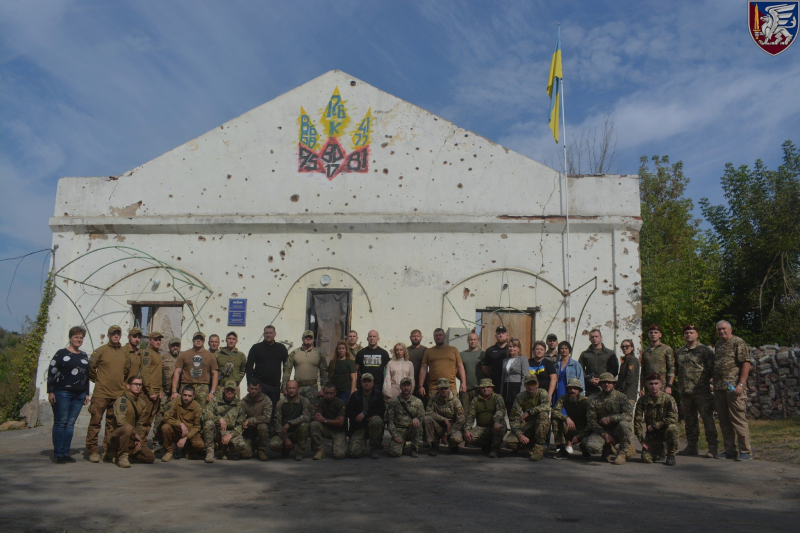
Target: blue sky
column 96, row 88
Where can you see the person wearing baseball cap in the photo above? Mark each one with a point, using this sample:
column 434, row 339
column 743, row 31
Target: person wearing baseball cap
column 365, row 409
column 488, row 414
column 167, row 371
column 530, row 419
column 658, row 358
column 569, row 420
column 609, row 417
column 310, row 368
column 656, row 422
column 151, row 370
column 444, row 419
column 495, row 355
column 694, row 362
column 552, row 348
column 404, row 416
column 197, row 367
column 132, row 351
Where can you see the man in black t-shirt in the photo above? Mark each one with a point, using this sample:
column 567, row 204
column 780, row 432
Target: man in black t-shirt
column 492, row 364
column 265, row 362
column 372, row 360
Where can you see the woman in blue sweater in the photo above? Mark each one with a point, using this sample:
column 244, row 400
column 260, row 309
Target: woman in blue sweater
column 67, row 392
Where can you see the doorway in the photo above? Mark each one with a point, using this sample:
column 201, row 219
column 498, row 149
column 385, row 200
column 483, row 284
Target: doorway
column 328, row 316
column 520, row 324
column 164, row 317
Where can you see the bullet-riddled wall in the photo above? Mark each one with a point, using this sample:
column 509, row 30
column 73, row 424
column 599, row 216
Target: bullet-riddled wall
column 337, row 185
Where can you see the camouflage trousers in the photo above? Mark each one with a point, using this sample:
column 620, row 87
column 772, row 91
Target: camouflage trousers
column 298, row 437
column 436, row 431
column 310, row 392
column 487, row 436
column 200, row 392
column 243, row 444
column 656, row 440
column 121, row 441
column 338, row 438
column 536, row 428
column 212, row 435
column 622, row 433
column 693, row 405
column 410, row 434
column 562, row 435
column 372, row 434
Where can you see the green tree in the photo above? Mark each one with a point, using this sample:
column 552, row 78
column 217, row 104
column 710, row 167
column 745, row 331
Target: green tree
column 758, row 234
column 678, row 261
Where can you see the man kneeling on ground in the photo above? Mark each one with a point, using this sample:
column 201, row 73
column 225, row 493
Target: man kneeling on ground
column 329, row 422
column 126, row 436
column 530, row 419
column 221, row 421
column 290, row 425
column 487, row 413
column 657, row 412
column 444, row 419
column 182, row 424
column 569, row 420
column 404, row 416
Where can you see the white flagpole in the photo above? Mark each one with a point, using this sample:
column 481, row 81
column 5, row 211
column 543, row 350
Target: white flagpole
column 566, row 211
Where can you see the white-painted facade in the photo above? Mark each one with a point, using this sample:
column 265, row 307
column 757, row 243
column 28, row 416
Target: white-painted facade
column 229, row 215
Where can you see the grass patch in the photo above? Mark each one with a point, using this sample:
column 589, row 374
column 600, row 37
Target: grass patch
column 771, row 440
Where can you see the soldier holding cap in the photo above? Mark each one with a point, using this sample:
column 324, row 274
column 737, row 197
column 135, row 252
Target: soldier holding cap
column 365, row 410
column 329, row 422
column 569, row 420
column 222, row 421
column 657, row 413
column 108, row 368
column 530, row 419
column 494, row 357
column 694, row 363
column 404, row 416
column 290, row 422
column 197, row 367
column 167, row 370
column 126, row 434
column 658, row 359
column 444, row 419
column 150, row 360
column 232, row 363
column 609, row 418
column 310, row 367
column 487, row 413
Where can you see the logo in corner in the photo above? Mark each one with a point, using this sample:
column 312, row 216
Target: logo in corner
column 773, row 25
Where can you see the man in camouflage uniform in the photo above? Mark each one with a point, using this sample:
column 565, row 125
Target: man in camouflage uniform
column 182, row 426
column 487, row 413
column 609, row 418
column 126, row 436
column 569, row 420
column 167, row 370
column 221, row 421
column 694, row 362
column 730, row 371
column 309, row 366
column 231, row 363
column 530, row 419
column 658, row 359
column 290, row 425
column 404, row 416
column 444, row 419
column 657, row 413
column 255, row 411
column 365, row 410
column 329, row 422
column 151, row 369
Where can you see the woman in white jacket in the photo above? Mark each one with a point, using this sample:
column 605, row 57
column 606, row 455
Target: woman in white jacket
column 515, row 368
column 398, row 368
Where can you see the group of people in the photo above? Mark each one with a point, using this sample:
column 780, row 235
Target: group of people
column 434, row 395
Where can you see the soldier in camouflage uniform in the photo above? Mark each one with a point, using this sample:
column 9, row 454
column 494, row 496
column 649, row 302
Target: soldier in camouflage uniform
column 530, row 419
column 126, row 437
column 569, row 420
column 609, row 418
column 231, row 363
column 221, row 421
column 309, row 367
column 694, row 362
column 329, row 422
column 657, row 413
column 658, row 359
column 444, row 419
column 255, row 411
column 151, row 369
column 730, row 371
column 487, row 413
column 404, row 416
column 290, row 424
column 167, row 370
column 365, row 410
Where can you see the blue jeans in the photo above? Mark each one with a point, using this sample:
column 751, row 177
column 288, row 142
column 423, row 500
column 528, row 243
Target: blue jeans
column 65, row 412
column 343, row 395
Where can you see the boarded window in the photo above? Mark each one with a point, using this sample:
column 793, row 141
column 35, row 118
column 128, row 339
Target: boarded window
column 166, row 318
column 328, row 316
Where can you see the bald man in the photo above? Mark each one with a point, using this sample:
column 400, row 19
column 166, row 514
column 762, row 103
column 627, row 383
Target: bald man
column 372, row 360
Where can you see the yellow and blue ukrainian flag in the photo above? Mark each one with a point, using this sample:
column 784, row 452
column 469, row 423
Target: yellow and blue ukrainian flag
column 554, row 85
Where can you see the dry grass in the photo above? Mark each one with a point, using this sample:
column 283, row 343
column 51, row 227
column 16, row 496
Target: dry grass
column 771, row 440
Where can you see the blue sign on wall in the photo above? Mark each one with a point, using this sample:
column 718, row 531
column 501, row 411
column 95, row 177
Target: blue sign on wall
column 237, row 311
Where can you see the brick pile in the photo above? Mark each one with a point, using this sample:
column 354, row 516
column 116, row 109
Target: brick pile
column 774, row 385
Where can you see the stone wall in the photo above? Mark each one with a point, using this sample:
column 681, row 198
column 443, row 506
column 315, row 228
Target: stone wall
column 773, row 390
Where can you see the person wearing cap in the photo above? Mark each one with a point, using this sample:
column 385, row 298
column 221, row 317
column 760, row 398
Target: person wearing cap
column 167, row 371
column 471, row 359
column 658, row 358
column 232, row 363
column 290, row 422
column 494, row 357
column 265, row 361
column 444, row 419
column 404, row 416
column 552, row 348
column 730, row 371
column 629, row 371
column 486, row 421
column 530, row 419
column 310, row 368
column 329, row 422
column 256, row 410
column 182, row 426
column 196, row 367
column 108, row 369
column 126, row 433
column 569, row 420
column 656, row 422
column 373, row 360
column 222, row 421
column 595, row 360
column 694, row 363
column 365, row 410
column 442, row 361
column 397, row 369
column 132, row 352
column 609, row 418
column 151, row 364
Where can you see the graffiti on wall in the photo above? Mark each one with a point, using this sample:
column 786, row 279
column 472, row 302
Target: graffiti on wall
column 329, row 157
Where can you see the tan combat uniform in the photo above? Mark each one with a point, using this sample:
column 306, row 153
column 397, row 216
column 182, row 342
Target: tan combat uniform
column 191, row 417
column 150, row 361
column 108, row 369
column 129, row 414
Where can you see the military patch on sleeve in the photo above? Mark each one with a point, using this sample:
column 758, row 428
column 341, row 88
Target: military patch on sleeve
column 145, row 361
column 460, row 411
column 630, row 367
column 123, row 405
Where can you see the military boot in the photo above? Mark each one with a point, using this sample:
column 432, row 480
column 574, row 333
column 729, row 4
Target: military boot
column 320, row 454
column 606, row 452
column 646, row 457
column 691, row 449
column 94, row 457
column 621, row 459
column 210, row 455
column 434, row 451
column 413, row 452
column 670, row 460
column 495, row 453
column 262, row 455
column 167, row 457
column 631, row 450
column 712, row 452
column 298, row 456
column 123, row 462
column 537, row 453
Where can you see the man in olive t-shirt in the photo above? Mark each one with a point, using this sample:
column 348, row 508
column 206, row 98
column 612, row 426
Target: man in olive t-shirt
column 441, row 361
column 471, row 360
column 197, row 367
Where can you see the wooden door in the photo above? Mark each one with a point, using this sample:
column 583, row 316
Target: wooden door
column 519, row 325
